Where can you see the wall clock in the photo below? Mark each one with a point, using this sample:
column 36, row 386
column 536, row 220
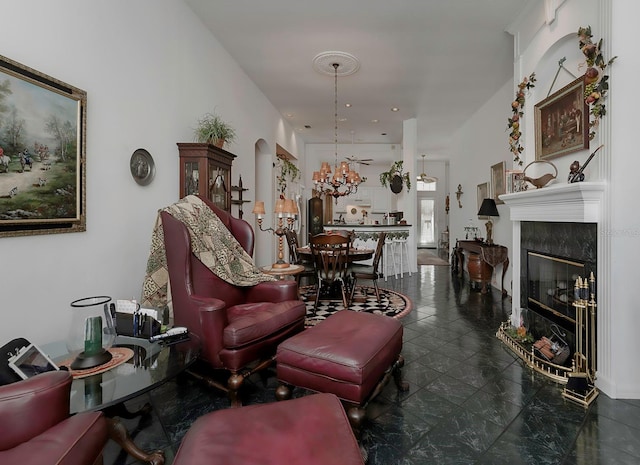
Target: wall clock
column 142, row 167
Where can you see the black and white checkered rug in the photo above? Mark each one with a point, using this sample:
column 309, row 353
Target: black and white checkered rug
column 392, row 304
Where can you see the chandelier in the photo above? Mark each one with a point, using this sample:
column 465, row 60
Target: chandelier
column 344, row 180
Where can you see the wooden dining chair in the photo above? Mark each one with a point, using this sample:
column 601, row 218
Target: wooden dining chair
column 331, row 260
column 296, row 259
column 369, row 272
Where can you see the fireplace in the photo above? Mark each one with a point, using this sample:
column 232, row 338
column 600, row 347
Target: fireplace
column 556, row 240
column 550, row 283
column 552, row 256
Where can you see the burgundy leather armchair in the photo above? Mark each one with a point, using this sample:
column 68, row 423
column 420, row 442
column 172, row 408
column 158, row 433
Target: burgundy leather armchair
column 35, row 426
column 239, row 327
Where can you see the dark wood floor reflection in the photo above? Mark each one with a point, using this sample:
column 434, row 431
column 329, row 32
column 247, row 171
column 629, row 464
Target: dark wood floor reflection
column 471, row 401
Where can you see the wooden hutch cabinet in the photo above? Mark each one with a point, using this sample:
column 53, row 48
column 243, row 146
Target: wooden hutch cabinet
column 205, row 170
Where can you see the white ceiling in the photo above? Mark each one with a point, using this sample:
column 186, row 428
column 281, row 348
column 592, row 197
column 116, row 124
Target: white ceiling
column 436, row 60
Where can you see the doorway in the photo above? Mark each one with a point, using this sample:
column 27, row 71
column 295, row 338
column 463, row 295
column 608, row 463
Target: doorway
column 426, row 221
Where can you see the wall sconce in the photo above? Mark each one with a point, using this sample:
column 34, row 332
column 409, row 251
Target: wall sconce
column 489, row 209
column 285, row 211
column 459, row 194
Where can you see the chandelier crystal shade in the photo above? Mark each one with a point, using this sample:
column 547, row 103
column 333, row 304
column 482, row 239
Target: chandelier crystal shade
column 344, row 180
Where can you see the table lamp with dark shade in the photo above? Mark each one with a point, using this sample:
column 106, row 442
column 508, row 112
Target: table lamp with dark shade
column 489, row 209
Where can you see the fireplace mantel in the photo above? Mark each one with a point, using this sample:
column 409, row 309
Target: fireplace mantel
column 579, row 202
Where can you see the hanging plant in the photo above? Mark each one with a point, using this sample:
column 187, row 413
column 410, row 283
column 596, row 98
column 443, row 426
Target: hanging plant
column 596, row 82
column 395, row 178
column 288, row 173
column 513, row 123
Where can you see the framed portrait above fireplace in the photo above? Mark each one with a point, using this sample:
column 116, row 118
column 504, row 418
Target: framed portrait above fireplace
column 42, row 153
column 562, row 122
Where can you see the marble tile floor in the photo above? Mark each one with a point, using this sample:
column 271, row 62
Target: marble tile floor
column 471, row 401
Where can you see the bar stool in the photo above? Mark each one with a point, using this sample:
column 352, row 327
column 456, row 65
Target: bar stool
column 388, row 258
column 402, row 250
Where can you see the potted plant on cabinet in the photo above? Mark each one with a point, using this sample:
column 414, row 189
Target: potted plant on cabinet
column 211, row 129
column 395, row 178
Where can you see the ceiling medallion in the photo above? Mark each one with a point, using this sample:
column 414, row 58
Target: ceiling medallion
column 347, row 64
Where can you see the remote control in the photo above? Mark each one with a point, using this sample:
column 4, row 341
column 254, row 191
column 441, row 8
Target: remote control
column 171, row 333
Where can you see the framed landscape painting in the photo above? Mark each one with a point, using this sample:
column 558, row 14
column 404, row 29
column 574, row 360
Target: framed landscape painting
column 562, row 122
column 42, row 153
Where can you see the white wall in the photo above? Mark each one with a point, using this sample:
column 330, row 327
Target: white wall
column 148, row 77
column 623, row 229
column 480, row 143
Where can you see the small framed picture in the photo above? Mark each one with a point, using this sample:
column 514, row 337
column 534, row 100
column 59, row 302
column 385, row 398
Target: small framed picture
column 31, row 361
column 483, row 193
column 498, row 181
column 514, row 181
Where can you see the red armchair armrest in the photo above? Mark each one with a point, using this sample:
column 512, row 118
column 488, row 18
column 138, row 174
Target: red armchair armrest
column 35, row 426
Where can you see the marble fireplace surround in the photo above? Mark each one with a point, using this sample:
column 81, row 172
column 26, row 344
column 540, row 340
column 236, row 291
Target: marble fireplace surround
column 557, row 203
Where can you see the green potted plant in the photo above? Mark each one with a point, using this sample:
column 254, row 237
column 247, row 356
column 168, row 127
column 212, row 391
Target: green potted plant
column 395, row 178
column 288, row 173
column 211, row 129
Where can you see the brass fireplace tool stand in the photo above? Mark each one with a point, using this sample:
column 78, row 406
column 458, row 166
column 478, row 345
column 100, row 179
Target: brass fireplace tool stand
column 580, row 386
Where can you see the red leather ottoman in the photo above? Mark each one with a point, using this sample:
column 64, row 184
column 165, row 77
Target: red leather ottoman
column 350, row 354
column 311, row 430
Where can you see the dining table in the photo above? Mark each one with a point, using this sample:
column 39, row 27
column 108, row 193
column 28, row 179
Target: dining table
column 355, row 254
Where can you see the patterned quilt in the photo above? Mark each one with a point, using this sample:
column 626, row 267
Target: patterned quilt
column 211, row 242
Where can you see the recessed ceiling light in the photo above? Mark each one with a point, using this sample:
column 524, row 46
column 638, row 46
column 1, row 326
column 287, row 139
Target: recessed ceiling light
column 289, row 115
column 375, row 121
column 348, row 105
column 395, row 109
column 383, row 134
column 342, row 120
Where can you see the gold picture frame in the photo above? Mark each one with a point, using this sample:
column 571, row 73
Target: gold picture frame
column 562, row 122
column 42, row 153
column 498, row 181
column 483, row 193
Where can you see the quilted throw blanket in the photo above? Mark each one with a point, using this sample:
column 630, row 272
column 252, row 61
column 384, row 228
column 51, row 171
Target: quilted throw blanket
column 211, row 242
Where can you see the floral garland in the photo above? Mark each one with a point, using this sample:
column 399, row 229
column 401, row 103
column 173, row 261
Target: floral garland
column 596, row 82
column 513, row 123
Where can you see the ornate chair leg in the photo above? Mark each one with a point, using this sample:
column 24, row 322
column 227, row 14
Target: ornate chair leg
column 353, row 288
column 234, row 383
column 403, row 386
column 283, row 392
column 375, row 286
column 356, row 415
column 120, row 435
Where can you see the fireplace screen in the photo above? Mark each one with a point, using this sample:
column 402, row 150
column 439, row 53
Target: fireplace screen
column 551, row 283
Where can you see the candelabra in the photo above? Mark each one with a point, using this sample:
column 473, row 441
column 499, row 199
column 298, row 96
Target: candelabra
column 285, row 211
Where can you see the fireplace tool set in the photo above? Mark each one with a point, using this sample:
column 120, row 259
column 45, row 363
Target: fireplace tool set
column 580, row 383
